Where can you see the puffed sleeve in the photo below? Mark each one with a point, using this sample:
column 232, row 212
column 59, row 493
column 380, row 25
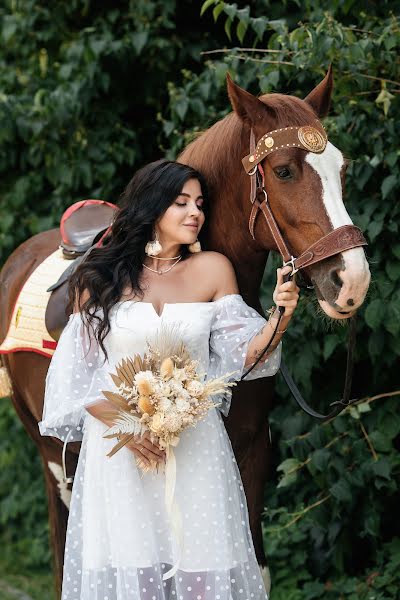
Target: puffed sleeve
column 233, row 327
column 76, row 375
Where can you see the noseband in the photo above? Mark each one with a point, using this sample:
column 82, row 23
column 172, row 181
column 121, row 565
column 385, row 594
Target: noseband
column 311, row 138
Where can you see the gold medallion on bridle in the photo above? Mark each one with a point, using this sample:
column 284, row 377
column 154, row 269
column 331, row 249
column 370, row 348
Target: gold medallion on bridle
column 269, row 142
column 311, row 139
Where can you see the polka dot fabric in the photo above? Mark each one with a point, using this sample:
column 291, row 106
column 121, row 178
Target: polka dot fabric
column 119, row 538
column 73, row 380
column 233, row 327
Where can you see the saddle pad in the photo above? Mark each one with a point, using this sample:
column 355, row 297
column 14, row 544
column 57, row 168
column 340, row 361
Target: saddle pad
column 27, row 331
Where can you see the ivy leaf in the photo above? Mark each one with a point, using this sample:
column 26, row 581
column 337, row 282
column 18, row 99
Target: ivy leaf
column 288, row 465
column 384, row 98
column 387, row 185
column 289, row 468
column 354, row 412
column 392, row 320
column 287, row 480
column 181, row 107
column 341, row 490
column 227, row 28
column 331, row 342
column 217, row 11
column 380, row 441
column 372, row 522
column 139, row 39
column 231, row 10
column 364, row 407
column 9, row 27
column 393, row 270
column 207, row 5
column 241, row 31
column 374, row 314
column 382, row 468
column 396, row 250
column 259, row 24
column 320, row 458
column 374, row 229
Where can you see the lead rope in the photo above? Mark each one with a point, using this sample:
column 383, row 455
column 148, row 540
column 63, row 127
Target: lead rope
column 339, row 405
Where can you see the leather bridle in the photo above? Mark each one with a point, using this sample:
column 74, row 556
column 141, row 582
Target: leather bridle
column 313, row 139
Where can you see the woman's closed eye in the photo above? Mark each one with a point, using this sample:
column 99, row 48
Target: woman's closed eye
column 199, row 206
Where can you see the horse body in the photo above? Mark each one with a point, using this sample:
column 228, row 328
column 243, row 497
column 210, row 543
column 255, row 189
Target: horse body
column 306, row 206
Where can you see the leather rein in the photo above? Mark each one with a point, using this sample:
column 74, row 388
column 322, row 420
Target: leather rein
column 313, row 139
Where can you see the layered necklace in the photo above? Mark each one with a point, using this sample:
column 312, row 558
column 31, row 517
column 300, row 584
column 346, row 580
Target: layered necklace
column 161, row 272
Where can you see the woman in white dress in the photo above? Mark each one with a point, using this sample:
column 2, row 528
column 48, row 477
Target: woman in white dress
column 151, row 270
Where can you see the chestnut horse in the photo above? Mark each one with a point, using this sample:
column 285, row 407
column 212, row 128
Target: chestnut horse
column 305, row 195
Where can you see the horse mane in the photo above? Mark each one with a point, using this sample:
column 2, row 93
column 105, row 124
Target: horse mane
column 208, row 152
column 222, row 144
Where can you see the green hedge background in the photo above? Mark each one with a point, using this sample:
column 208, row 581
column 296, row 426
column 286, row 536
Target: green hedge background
column 91, row 91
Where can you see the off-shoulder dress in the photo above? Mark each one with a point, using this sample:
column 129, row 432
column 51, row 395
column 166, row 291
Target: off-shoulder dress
column 119, row 538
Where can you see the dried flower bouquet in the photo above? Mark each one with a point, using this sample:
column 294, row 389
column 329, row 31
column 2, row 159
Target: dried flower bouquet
column 162, row 392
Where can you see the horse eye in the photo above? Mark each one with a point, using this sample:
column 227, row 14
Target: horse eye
column 283, row 173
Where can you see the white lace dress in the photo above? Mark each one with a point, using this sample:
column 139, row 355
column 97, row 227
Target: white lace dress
column 119, row 539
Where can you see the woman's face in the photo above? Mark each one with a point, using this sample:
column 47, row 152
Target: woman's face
column 182, row 221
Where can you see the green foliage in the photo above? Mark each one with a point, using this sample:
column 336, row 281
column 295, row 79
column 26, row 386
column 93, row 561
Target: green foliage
column 17, row 582
column 332, row 510
column 80, row 89
column 89, row 93
column 23, row 508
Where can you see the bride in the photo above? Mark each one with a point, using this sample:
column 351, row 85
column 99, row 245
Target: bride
column 151, row 270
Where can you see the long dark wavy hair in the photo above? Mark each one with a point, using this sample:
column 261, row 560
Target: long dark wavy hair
column 109, row 269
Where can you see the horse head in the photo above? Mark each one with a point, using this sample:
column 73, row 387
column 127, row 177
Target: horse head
column 304, row 188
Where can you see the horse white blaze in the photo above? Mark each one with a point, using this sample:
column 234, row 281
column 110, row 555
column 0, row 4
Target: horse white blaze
column 355, row 275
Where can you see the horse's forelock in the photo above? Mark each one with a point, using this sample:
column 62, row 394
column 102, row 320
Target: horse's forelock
column 288, row 111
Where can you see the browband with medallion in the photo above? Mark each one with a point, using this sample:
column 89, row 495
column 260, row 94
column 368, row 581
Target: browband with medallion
column 312, row 138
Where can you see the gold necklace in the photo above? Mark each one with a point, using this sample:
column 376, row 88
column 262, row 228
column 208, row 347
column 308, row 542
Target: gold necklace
column 168, row 258
column 165, row 270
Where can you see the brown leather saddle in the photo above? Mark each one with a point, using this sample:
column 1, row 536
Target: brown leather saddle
column 82, row 227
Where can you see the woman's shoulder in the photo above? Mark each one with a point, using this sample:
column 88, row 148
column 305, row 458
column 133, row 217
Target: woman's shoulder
column 218, row 269
column 212, row 259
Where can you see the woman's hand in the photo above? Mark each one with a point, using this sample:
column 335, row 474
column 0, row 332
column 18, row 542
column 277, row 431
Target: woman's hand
column 144, row 449
column 286, row 294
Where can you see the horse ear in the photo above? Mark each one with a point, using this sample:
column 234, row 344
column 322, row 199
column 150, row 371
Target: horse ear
column 247, row 107
column 320, row 97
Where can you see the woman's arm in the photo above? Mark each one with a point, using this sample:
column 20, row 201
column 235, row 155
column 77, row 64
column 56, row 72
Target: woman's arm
column 141, row 446
column 287, row 295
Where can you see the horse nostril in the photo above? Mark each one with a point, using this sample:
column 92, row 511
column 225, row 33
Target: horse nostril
column 350, row 302
column 336, row 279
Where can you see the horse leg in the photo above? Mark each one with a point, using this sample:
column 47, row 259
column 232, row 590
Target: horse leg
column 58, row 516
column 59, row 496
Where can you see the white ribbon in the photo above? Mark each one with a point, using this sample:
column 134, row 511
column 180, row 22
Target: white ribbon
column 173, row 511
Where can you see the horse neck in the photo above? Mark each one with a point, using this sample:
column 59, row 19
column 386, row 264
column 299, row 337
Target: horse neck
column 229, row 234
column 227, row 228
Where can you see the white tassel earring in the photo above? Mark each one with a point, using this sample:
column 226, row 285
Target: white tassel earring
column 153, row 247
column 195, row 247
